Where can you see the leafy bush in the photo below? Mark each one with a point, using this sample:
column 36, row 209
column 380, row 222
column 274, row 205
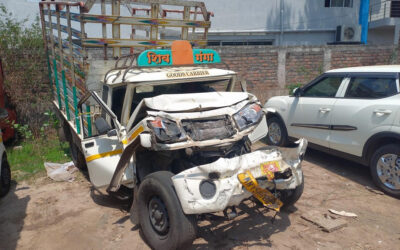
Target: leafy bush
column 25, row 67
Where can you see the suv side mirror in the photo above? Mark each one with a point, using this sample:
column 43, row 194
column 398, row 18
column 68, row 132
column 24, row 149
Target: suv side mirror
column 297, row 92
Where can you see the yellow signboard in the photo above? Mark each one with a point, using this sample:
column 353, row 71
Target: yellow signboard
column 263, row 195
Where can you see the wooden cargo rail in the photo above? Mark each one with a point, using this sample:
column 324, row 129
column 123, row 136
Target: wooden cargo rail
column 67, row 44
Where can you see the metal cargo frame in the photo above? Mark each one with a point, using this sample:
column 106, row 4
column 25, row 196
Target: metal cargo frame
column 67, row 45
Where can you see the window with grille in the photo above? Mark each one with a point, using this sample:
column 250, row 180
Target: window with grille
column 339, row 3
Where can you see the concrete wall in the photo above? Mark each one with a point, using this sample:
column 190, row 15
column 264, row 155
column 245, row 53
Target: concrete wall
column 304, row 22
column 268, row 70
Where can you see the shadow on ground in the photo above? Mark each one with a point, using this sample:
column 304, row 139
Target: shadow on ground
column 12, row 215
column 253, row 227
column 345, row 168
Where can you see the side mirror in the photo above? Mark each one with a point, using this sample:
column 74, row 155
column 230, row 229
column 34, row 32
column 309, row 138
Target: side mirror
column 243, row 85
column 101, row 125
column 297, row 92
column 3, row 113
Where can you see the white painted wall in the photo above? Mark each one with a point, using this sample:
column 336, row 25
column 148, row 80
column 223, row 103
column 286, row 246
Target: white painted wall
column 305, row 22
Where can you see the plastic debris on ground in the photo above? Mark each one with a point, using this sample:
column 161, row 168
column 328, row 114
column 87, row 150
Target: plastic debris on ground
column 60, row 172
column 342, row 213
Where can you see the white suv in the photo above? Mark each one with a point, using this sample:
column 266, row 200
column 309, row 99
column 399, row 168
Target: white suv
column 351, row 112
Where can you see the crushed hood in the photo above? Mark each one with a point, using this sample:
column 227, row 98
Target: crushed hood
column 198, row 101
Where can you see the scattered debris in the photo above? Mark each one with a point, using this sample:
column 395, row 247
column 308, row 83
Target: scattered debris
column 60, row 172
column 374, row 190
column 343, row 213
column 17, row 147
column 326, row 222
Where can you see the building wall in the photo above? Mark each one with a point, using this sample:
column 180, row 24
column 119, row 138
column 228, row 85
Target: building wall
column 304, row 22
column 268, row 70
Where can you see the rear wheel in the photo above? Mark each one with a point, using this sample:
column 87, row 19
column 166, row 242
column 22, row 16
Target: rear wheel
column 77, row 156
column 161, row 218
column 277, row 134
column 5, row 178
column 385, row 169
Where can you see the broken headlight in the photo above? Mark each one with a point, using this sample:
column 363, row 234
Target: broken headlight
column 166, row 131
column 248, row 116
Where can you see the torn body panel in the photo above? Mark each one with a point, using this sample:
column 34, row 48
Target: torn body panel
column 215, row 186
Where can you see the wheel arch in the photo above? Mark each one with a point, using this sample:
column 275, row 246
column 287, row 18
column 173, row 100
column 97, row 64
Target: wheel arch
column 376, row 141
column 273, row 113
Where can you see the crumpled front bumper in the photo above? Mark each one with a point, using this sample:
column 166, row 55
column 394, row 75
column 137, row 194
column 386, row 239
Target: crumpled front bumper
column 223, row 187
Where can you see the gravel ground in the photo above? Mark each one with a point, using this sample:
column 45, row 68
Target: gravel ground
column 48, row 215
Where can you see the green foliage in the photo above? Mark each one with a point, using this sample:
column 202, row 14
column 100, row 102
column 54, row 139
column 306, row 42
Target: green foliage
column 28, row 160
column 14, row 34
column 25, row 67
column 23, row 130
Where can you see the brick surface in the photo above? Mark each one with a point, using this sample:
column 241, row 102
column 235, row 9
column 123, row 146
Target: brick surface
column 258, row 65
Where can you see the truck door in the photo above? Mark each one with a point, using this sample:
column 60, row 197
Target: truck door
column 101, row 145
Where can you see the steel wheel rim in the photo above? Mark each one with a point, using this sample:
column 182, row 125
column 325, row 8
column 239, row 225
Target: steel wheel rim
column 274, row 133
column 158, row 215
column 388, row 170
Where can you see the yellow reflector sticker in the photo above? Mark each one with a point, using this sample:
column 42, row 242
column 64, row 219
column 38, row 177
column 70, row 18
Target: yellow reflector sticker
column 269, row 168
column 263, row 195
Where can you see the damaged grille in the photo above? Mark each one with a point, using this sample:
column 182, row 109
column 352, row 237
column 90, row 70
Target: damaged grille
column 209, row 128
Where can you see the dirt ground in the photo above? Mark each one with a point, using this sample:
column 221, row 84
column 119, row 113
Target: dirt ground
column 49, row 215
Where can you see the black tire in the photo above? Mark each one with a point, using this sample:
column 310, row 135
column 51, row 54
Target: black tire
column 394, row 171
column 77, row 156
column 64, row 132
column 173, row 229
column 5, row 178
column 291, row 196
column 275, row 124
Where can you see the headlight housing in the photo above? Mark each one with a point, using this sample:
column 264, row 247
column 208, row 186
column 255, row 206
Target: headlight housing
column 248, row 116
column 166, row 131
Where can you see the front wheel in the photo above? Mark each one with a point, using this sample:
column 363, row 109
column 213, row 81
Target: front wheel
column 161, row 218
column 277, row 134
column 290, row 196
column 5, row 178
column 385, row 169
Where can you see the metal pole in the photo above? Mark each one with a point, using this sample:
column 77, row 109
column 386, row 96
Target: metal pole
column 281, row 22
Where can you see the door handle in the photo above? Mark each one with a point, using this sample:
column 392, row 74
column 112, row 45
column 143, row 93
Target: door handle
column 381, row 112
column 324, row 110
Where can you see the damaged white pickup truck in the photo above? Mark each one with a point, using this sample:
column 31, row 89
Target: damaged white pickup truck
column 162, row 123
column 182, row 140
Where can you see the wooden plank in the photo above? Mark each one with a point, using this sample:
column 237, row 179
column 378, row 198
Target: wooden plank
column 154, row 28
column 83, row 35
column 104, row 26
column 116, row 32
column 63, row 14
column 144, row 21
column 96, row 42
column 62, row 63
column 70, row 46
column 186, row 17
column 63, row 28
